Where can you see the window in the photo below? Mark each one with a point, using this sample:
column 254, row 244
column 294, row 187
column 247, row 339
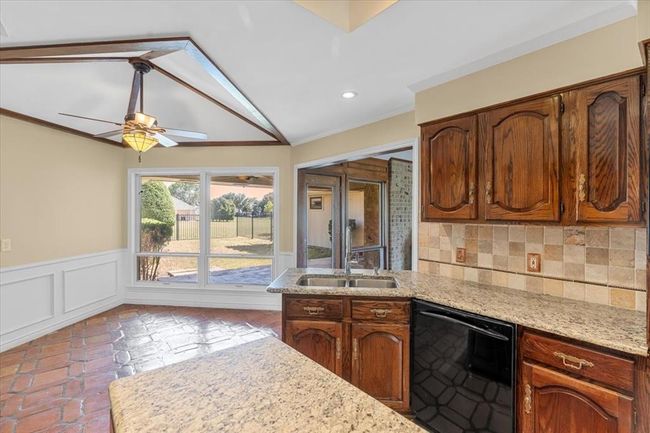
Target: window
column 204, row 228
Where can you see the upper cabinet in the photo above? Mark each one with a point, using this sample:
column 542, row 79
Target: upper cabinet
column 605, row 123
column 449, row 175
column 521, row 147
column 573, row 157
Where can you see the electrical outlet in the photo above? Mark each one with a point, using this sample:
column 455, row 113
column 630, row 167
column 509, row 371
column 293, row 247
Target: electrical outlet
column 460, row 255
column 6, row 245
column 534, row 262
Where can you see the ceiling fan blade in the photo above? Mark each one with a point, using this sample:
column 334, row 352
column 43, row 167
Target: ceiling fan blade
column 167, row 142
column 184, row 133
column 90, row 118
column 109, row 134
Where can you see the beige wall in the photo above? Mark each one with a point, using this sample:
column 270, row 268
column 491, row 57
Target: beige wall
column 235, row 156
column 61, row 195
column 596, row 54
column 392, row 130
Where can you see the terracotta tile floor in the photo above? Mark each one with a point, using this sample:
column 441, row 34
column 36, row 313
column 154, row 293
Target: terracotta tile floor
column 59, row 382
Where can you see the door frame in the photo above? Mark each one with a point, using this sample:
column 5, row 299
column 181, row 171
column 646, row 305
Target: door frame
column 414, row 143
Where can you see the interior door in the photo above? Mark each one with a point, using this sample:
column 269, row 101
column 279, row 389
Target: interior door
column 521, row 145
column 319, row 221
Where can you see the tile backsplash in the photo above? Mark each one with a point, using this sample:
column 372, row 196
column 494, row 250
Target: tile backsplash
column 605, row 265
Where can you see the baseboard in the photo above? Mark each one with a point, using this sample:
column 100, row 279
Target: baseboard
column 39, row 298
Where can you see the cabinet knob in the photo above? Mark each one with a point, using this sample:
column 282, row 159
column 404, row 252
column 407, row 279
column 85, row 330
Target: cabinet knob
column 582, row 190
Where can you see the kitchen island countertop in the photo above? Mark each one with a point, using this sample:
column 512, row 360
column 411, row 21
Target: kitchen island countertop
column 262, row 386
column 602, row 325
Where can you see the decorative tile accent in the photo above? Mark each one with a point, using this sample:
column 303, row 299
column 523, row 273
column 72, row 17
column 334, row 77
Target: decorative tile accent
column 577, row 262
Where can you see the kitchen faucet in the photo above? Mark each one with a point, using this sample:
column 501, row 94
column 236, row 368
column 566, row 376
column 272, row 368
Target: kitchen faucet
column 348, row 252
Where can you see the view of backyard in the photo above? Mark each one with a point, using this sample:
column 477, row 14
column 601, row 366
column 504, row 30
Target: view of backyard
column 241, row 234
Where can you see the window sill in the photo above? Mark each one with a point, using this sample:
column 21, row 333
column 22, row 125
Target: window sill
column 229, row 288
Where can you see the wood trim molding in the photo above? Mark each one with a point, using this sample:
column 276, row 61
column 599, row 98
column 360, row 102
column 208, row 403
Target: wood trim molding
column 631, row 72
column 45, row 123
column 153, row 48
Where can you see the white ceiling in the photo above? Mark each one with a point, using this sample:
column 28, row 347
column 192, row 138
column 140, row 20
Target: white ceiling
column 292, row 64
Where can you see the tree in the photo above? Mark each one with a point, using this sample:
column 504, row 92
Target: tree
column 185, row 191
column 223, row 209
column 243, row 205
column 264, row 206
column 156, row 226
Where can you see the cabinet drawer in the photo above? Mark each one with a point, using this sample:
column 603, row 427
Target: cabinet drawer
column 314, row 308
column 602, row 367
column 381, row 311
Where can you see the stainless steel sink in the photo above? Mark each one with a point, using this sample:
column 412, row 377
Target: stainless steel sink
column 374, row 283
column 341, row 281
column 322, row 281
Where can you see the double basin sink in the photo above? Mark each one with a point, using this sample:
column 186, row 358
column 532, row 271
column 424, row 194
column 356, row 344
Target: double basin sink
column 359, row 281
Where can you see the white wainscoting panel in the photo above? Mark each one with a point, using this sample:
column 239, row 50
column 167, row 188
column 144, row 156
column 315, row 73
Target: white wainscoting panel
column 25, row 302
column 89, row 284
column 39, row 298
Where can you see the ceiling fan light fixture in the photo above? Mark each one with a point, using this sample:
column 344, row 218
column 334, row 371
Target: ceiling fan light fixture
column 139, row 140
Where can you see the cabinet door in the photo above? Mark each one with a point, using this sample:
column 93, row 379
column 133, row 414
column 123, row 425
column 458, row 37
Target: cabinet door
column 552, row 402
column 605, row 130
column 380, row 362
column 520, row 145
column 318, row 340
column 449, row 169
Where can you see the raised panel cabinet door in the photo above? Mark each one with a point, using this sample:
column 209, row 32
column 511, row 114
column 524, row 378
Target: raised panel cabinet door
column 449, row 175
column 606, row 130
column 318, row 340
column 520, row 148
column 380, row 362
column 553, row 402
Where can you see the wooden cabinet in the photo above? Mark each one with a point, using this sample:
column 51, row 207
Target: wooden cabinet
column 449, row 172
column 520, row 150
column 380, row 362
column 319, row 340
column 364, row 340
column 557, row 403
column 575, row 156
column 605, row 133
column 565, row 387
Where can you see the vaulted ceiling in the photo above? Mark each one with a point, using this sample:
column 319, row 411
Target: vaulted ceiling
column 290, row 64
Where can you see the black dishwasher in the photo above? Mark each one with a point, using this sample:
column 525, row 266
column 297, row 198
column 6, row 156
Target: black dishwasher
column 462, row 372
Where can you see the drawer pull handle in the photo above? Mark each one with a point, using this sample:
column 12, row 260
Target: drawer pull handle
column 572, row 361
column 313, row 311
column 488, row 192
column 355, row 349
column 338, row 348
column 380, row 313
column 472, row 193
column 528, row 399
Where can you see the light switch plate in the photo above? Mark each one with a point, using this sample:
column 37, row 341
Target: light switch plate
column 460, row 255
column 534, row 262
column 6, row 245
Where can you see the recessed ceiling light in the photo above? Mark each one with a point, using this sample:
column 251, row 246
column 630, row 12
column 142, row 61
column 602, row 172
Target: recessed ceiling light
column 348, row 95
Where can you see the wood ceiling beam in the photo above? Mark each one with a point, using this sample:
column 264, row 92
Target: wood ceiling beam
column 155, row 48
column 209, row 98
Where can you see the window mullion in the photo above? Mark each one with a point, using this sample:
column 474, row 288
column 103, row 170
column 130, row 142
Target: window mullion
column 204, row 232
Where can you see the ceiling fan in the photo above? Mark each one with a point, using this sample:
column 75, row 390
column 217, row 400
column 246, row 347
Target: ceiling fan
column 140, row 130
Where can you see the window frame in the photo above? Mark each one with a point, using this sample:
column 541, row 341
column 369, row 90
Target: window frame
column 204, row 255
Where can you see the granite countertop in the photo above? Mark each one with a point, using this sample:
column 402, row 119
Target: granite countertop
column 610, row 327
column 263, row 386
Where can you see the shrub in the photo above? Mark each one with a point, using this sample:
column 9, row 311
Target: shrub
column 158, row 217
column 156, row 202
column 223, row 209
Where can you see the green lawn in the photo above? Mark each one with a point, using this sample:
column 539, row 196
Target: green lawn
column 315, row 252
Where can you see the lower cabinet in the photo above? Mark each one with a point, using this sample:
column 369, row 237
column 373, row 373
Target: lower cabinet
column 560, row 395
column 380, row 362
column 364, row 340
column 318, row 340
